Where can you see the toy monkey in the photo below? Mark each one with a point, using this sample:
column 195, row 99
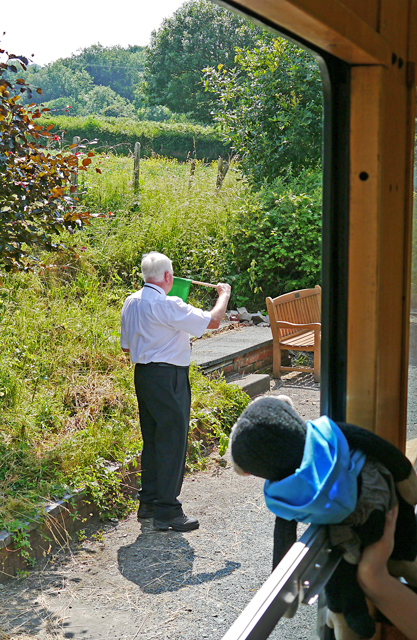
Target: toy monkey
column 331, row 474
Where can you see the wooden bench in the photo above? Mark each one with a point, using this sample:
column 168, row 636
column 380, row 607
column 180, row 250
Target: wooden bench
column 296, row 326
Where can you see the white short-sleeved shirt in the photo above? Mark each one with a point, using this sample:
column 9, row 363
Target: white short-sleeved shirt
column 156, row 327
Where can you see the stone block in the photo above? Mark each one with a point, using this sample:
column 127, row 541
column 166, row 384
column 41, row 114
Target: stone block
column 254, row 384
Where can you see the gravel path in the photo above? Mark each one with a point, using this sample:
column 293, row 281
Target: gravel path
column 412, row 381
column 133, row 582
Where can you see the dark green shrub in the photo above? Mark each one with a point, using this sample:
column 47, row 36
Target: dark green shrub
column 175, row 140
column 277, row 245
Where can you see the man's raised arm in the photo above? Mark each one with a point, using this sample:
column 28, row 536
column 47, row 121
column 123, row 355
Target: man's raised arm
column 219, row 309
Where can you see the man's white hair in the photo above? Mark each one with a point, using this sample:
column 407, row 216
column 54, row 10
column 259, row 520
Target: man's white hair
column 154, row 265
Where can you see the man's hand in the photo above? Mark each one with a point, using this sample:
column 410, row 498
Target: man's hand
column 224, row 289
column 393, row 598
column 372, row 568
column 220, row 307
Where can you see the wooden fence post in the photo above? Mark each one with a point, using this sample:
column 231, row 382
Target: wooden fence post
column 222, row 169
column 74, row 175
column 136, row 167
column 192, row 171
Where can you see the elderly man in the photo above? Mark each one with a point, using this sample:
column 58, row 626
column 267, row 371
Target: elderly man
column 156, row 331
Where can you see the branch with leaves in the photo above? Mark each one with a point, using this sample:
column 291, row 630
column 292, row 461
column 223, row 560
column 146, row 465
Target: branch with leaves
column 36, row 198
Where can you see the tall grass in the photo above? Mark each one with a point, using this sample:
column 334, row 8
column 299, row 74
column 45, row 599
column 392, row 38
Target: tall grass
column 67, row 403
column 182, row 216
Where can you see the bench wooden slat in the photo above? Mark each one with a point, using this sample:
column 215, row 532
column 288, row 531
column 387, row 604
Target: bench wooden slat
column 295, row 319
column 305, row 340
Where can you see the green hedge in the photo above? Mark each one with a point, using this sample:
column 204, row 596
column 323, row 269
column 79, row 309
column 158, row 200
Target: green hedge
column 174, row 140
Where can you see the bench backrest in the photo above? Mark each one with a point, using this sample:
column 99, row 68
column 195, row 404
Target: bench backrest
column 298, row 307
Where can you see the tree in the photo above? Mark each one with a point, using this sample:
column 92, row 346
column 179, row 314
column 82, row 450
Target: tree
column 115, row 67
column 35, row 200
column 57, row 80
column 270, row 108
column 198, row 35
column 104, row 101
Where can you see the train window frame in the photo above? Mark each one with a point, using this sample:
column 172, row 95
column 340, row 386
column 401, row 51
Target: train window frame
column 336, row 77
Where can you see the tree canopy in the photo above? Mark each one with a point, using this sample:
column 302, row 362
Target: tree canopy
column 119, row 68
column 199, row 34
column 57, row 80
column 73, row 81
column 270, row 108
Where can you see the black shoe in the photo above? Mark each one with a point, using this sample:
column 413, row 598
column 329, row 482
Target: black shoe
column 145, row 510
column 180, row 523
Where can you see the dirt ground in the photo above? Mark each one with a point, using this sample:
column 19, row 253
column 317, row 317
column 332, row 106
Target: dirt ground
column 128, row 581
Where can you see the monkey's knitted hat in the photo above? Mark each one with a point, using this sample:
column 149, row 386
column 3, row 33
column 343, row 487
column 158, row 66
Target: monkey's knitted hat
column 268, row 439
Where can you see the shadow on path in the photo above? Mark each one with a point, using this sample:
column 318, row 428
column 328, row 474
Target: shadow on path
column 296, row 380
column 160, row 562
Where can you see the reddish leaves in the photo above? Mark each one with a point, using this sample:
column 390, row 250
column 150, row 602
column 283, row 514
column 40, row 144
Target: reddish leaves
column 34, row 184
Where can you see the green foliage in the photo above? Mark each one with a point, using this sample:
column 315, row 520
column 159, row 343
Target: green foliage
column 175, row 140
column 104, row 487
column 106, row 102
column 35, row 203
column 270, row 108
column 100, row 101
column 276, row 247
column 198, row 35
column 184, row 217
column 120, row 69
column 156, row 113
column 209, row 418
column 20, row 533
column 68, row 407
column 57, row 80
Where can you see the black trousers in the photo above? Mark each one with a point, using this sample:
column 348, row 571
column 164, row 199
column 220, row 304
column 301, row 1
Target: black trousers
column 164, row 399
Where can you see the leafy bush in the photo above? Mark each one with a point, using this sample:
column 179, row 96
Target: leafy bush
column 176, row 140
column 276, row 247
column 157, row 113
column 197, row 35
column 270, row 108
column 116, row 67
column 35, row 201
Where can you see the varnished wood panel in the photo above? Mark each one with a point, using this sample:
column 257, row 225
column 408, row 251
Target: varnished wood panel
column 394, row 25
column 412, row 37
column 367, row 11
column 378, row 255
column 366, row 124
column 329, row 25
column 394, row 194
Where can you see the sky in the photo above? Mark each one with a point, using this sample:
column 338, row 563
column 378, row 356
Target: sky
column 52, row 29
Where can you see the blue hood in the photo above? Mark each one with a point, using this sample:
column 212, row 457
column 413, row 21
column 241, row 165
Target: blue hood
column 324, row 489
